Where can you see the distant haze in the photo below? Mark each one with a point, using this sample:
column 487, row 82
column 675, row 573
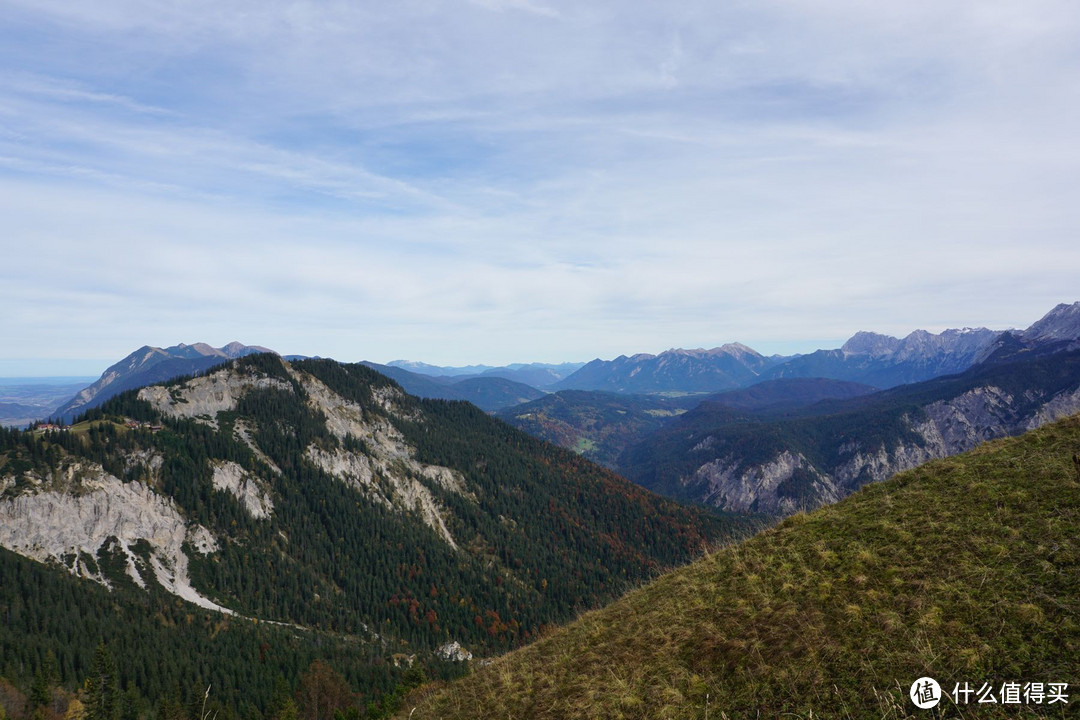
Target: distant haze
column 501, row 181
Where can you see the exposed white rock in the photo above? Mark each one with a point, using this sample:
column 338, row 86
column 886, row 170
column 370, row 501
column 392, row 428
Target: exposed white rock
column 976, row 416
column 755, row 488
column 149, row 459
column 390, row 456
column 413, row 495
column 76, row 509
column 247, row 489
column 444, row 476
column 243, row 433
column 453, row 651
column 342, row 417
column 204, row 397
column 949, row 427
column 402, row 491
column 351, row 468
column 1060, row 406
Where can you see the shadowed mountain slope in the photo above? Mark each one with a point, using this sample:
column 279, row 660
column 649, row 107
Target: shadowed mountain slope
column 822, row 452
column 489, row 393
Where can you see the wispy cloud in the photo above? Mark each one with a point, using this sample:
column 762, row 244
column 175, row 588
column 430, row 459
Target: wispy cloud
column 497, row 180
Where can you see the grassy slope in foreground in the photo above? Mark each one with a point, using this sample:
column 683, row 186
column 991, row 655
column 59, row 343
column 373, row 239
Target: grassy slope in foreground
column 965, row 569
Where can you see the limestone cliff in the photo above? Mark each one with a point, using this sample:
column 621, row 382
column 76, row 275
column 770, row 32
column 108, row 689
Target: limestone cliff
column 939, row 429
column 70, row 515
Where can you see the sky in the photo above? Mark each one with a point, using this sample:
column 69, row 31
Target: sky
column 497, row 181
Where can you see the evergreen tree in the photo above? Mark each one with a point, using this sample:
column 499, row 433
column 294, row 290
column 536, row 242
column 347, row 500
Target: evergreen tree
column 102, row 687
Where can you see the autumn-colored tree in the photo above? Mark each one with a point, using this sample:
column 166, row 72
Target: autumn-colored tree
column 75, row 710
column 322, row 691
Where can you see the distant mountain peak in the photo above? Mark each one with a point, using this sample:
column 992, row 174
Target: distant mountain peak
column 736, row 349
column 870, row 343
column 151, row 364
column 1061, row 323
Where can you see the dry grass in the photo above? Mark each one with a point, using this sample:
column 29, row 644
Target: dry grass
column 967, row 569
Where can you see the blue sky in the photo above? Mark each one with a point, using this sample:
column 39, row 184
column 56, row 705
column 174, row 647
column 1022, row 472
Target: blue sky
column 495, row 181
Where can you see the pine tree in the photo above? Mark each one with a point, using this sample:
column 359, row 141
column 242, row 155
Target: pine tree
column 102, row 687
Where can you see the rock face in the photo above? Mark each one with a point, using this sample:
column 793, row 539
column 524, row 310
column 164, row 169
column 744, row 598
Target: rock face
column 760, row 488
column 790, row 482
column 246, row 488
column 386, row 471
column 454, row 651
column 151, row 365
column 72, row 515
column 387, row 455
column 203, row 398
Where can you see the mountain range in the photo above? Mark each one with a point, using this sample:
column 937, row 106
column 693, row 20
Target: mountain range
column 868, row 358
column 259, row 516
column 487, row 392
column 818, row 454
column 793, row 443
column 538, row 375
column 318, row 498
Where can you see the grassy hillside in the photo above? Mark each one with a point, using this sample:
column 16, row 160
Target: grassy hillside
column 966, row 570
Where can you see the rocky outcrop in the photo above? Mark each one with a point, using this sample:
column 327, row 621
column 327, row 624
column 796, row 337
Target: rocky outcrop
column 1060, row 406
column 73, row 513
column 203, row 398
column 759, row 488
column 387, row 471
column 246, row 488
column 944, row 428
column 453, row 651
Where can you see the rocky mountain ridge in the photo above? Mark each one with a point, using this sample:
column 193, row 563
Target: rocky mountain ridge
column 698, row 370
column 149, row 365
column 784, row 465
